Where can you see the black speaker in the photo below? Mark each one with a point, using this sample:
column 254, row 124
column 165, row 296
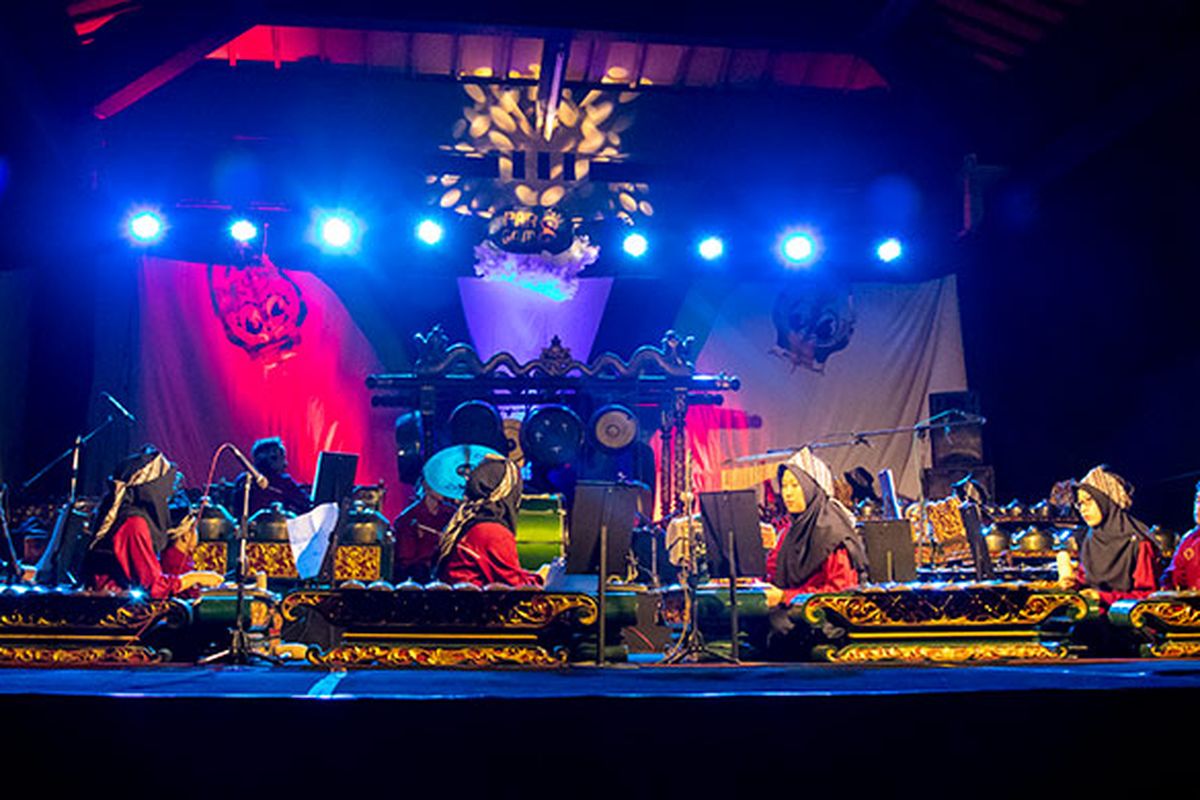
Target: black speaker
column 936, row 482
column 962, row 445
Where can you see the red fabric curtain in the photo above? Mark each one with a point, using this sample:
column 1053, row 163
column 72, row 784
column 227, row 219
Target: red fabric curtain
column 239, row 356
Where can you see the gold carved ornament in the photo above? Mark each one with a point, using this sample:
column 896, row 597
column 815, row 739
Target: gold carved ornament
column 541, row 609
column 916, row 652
column 307, row 598
column 357, row 563
column 273, row 558
column 866, row 611
column 211, row 556
column 78, row 656
column 134, row 615
column 384, row 656
column 1176, row 649
column 1172, row 613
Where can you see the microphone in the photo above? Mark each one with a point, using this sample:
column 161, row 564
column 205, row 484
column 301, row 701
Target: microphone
column 259, row 478
column 122, row 410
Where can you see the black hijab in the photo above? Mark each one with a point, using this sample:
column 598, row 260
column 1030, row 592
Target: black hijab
column 1108, row 554
column 816, row 532
column 148, row 500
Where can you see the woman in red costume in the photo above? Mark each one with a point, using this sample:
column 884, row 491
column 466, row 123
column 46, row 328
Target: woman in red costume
column 1117, row 559
column 1184, row 572
column 479, row 544
column 132, row 530
column 821, row 551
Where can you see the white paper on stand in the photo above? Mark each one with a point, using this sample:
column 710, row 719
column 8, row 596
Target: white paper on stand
column 308, row 535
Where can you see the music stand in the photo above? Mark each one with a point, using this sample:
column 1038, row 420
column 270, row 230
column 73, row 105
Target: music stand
column 602, row 520
column 891, row 554
column 335, row 477
column 731, row 531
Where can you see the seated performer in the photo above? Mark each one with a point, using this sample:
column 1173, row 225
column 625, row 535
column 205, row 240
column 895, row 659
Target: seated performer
column 1117, row 558
column 479, row 544
column 418, row 531
column 821, row 551
column 270, row 458
column 1184, row 571
column 131, row 531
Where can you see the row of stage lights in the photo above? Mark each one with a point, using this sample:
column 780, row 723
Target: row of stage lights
column 340, row 232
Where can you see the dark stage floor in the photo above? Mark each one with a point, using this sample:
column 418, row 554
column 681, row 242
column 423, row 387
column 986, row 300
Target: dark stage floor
column 646, row 731
column 625, row 682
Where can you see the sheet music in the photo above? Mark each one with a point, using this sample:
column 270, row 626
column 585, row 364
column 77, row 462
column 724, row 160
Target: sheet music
column 308, row 535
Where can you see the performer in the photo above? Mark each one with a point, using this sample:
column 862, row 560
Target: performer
column 418, row 530
column 1117, row 558
column 131, row 530
column 270, row 458
column 479, row 544
column 821, row 551
column 1184, row 571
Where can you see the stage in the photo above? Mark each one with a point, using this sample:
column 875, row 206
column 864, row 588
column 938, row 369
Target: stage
column 633, row 730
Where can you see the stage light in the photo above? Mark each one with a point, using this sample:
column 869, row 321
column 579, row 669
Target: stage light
column 243, row 230
column 711, row 248
column 889, row 250
column 146, row 227
column 337, row 232
column 800, row 247
column 636, row 245
column 429, row 232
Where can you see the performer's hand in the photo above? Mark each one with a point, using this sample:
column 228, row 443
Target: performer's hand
column 553, row 573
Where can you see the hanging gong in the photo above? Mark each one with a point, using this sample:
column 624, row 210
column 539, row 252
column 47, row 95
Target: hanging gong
column 552, row 435
column 477, row 422
column 613, row 427
column 410, row 438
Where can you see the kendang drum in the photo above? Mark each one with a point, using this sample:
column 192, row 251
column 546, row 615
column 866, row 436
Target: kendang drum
column 552, row 435
column 541, row 529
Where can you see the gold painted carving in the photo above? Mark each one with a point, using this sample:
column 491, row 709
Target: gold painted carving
column 1176, row 649
column 946, row 653
column 134, row 615
column 295, row 600
column 273, row 558
column 383, row 656
column 34, row 656
column 212, row 556
column 1173, row 613
column 541, row 609
column 942, row 608
column 357, row 563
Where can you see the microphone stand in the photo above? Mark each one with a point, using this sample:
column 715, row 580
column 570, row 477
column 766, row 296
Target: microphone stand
column 239, row 651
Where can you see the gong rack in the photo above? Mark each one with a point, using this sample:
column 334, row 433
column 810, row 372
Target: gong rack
column 444, row 375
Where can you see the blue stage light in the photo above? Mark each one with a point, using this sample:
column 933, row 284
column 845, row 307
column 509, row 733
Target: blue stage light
column 800, row 248
column 889, row 250
column 337, row 232
column 429, row 232
column 636, row 245
column 711, row 248
column 146, row 227
column 243, row 230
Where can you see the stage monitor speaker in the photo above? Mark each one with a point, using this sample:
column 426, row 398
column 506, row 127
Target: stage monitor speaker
column 335, row 477
column 959, row 446
column 936, row 482
column 891, row 555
